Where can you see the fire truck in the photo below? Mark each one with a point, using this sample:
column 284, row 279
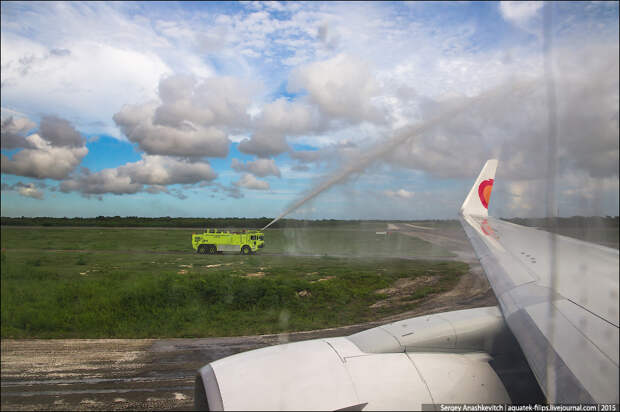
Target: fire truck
column 213, row 241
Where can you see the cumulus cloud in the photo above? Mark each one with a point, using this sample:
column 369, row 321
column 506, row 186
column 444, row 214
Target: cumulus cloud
column 39, row 77
column 231, row 191
column 513, row 126
column 25, row 189
column 155, row 171
column 342, row 87
column 136, row 122
column 248, row 181
column 277, row 120
column 307, row 156
column 519, row 12
column 289, row 118
column 258, row 167
column 526, row 15
column 340, row 92
column 264, row 144
column 399, row 194
column 161, row 170
column 214, row 101
column 53, row 154
column 13, row 131
column 191, row 119
column 335, row 152
column 104, row 181
column 59, row 132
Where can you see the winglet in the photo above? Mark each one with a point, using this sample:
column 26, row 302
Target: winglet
column 477, row 201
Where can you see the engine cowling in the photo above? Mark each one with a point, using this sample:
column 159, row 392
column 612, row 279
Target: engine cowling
column 335, row 373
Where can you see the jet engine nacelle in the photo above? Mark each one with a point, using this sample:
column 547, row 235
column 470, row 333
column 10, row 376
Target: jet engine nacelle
column 343, row 373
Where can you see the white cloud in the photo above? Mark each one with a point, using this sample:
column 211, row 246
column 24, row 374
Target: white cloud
column 340, row 92
column 192, row 119
column 264, row 144
column 342, row 87
column 512, row 125
column 162, row 170
column 59, row 132
column 98, row 76
column 399, row 194
column 52, row 153
column 156, row 171
column 13, row 130
column 288, row 118
column 188, row 139
column 214, row 101
column 104, row 181
column 30, row 190
column 519, row 12
column 44, row 162
column 276, row 121
column 26, row 189
column 248, row 181
column 258, row 167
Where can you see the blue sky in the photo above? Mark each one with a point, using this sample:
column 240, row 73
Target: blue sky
column 239, row 109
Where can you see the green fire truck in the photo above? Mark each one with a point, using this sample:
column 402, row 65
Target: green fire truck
column 215, row 240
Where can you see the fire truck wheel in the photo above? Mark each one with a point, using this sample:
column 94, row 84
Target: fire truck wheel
column 202, row 249
column 212, row 250
column 245, row 250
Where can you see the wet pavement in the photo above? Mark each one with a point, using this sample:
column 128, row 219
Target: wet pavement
column 119, row 374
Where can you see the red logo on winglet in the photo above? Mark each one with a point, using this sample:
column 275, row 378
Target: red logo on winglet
column 484, row 192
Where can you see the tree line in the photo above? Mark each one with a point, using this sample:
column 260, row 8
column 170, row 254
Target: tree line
column 258, row 223
column 179, row 222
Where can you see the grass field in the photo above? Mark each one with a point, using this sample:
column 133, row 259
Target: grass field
column 337, row 241
column 138, row 283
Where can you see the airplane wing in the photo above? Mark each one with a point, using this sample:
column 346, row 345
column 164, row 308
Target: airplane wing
column 558, row 295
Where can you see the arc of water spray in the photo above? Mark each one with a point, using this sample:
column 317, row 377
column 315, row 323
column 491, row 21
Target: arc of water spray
column 399, row 137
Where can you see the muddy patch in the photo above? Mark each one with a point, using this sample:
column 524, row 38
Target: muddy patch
column 254, row 275
column 402, row 290
column 217, row 265
column 325, row 279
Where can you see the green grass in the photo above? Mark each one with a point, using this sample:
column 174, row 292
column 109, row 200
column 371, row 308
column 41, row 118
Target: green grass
column 338, row 241
column 70, row 295
column 156, row 240
column 94, row 283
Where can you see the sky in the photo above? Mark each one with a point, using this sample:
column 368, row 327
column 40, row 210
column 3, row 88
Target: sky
column 222, row 109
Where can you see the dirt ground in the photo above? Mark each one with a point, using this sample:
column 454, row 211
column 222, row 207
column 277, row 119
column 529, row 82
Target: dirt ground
column 129, row 374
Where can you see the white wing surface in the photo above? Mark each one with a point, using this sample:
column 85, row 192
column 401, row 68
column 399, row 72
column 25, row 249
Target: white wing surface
column 558, row 295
